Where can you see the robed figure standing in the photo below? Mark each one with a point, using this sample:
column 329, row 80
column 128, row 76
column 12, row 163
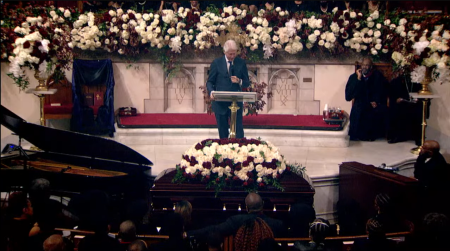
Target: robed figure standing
column 228, row 73
column 368, row 117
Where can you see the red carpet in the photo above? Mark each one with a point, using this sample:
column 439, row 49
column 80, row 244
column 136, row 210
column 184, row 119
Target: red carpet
column 202, row 120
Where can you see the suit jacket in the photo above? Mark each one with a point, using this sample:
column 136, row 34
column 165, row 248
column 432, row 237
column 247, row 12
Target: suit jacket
column 232, row 225
column 220, row 80
column 432, row 174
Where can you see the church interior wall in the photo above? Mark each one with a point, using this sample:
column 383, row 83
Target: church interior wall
column 141, row 85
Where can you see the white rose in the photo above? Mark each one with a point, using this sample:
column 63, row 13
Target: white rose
column 387, row 22
column 378, row 26
column 317, row 32
column 321, row 42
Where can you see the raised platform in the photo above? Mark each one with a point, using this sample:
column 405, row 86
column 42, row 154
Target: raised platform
column 306, row 130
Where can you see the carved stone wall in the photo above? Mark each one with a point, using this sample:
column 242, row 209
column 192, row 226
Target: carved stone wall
column 292, row 87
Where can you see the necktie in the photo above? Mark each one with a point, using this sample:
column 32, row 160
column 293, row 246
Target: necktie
column 230, row 68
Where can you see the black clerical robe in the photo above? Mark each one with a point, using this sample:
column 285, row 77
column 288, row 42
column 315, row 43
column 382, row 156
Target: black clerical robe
column 405, row 116
column 366, row 122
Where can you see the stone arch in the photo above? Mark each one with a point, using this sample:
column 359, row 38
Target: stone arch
column 180, row 92
column 284, row 85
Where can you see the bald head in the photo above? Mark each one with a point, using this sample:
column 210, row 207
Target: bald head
column 127, row 231
column 54, row 243
column 432, row 145
column 254, row 203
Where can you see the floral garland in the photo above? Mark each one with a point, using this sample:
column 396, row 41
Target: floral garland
column 386, row 36
column 40, row 42
column 220, row 163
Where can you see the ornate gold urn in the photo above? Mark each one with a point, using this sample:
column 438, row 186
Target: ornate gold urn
column 426, row 81
column 42, row 85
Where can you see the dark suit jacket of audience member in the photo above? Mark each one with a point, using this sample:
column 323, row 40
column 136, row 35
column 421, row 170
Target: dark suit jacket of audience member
column 232, row 224
column 431, row 174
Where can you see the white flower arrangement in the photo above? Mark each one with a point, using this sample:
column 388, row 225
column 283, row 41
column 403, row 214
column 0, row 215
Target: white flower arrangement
column 249, row 162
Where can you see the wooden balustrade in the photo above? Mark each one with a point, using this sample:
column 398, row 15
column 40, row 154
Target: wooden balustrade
column 228, row 245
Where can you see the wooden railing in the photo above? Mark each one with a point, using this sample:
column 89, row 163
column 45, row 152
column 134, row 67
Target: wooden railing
column 285, row 243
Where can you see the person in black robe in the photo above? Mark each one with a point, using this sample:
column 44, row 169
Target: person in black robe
column 405, row 114
column 300, row 6
column 367, row 88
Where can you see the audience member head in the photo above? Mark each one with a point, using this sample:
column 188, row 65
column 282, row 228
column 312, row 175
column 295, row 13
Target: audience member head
column 430, row 148
column 230, row 49
column 184, row 208
column 254, row 203
column 39, row 190
column 138, row 245
column 215, row 241
column 366, row 65
column 375, row 229
column 92, row 207
column 382, row 203
column 127, row 231
column 54, row 243
column 436, row 227
column 19, row 206
column 136, row 211
column 175, row 226
column 301, row 215
column 250, row 235
column 319, row 230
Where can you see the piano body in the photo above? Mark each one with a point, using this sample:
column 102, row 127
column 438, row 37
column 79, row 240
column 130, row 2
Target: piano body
column 73, row 162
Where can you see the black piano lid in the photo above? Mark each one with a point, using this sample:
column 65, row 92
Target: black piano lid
column 70, row 143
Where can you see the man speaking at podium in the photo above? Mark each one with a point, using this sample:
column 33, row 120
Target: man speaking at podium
column 228, row 73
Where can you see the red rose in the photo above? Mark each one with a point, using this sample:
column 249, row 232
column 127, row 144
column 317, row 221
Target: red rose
column 261, row 184
column 207, row 177
column 218, row 180
column 235, row 178
column 227, row 179
column 26, row 45
column 245, row 184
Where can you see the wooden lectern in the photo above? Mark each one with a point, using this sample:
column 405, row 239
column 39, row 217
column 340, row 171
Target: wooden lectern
column 234, row 97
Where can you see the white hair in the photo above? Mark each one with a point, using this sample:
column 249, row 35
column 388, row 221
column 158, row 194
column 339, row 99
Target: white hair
column 229, row 44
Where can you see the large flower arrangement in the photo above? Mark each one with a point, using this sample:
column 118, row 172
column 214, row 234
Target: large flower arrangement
column 40, row 42
column 220, row 163
column 385, row 36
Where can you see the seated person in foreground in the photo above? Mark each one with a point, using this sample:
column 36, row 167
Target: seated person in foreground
column 254, row 235
column 318, row 231
column 376, row 240
column 387, row 215
column 254, row 205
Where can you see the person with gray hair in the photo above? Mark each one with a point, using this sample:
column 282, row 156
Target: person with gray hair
column 228, row 73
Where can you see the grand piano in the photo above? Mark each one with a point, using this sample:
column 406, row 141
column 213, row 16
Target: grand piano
column 72, row 162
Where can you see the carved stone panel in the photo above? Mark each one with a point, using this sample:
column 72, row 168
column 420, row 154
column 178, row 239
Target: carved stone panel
column 284, row 85
column 179, row 92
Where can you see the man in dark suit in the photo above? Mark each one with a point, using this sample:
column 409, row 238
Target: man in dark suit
column 433, row 173
column 254, row 204
column 228, row 73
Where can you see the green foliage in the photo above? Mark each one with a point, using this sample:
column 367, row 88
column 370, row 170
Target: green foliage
column 21, row 82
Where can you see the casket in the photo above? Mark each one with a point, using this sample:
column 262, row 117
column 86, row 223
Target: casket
column 211, row 208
